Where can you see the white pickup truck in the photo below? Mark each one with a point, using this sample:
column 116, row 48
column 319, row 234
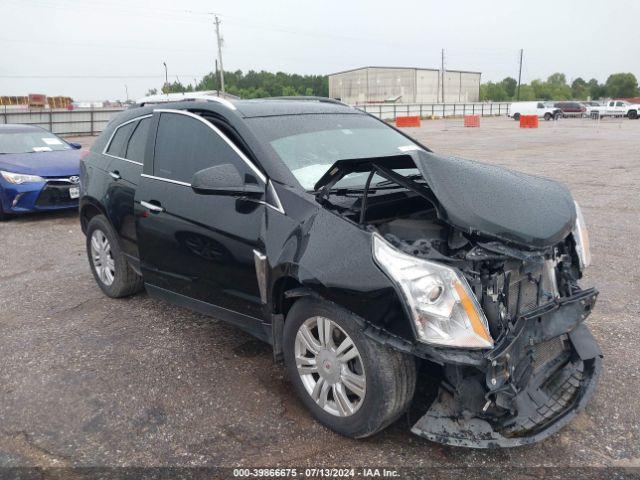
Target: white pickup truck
column 617, row 108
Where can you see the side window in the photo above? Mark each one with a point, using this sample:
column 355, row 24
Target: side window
column 138, row 141
column 119, row 139
column 540, row 105
column 619, row 104
column 611, row 104
column 185, row 145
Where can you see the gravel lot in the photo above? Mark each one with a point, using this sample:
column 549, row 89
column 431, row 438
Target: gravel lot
column 86, row 380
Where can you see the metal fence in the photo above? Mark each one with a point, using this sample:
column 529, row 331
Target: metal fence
column 92, row 121
column 62, row 122
column 390, row 111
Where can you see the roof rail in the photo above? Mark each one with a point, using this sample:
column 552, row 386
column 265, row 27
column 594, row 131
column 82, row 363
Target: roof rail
column 185, row 97
column 308, row 98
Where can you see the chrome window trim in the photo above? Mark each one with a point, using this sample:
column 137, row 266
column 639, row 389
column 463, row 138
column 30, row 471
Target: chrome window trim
column 278, row 204
column 226, row 139
column 108, row 144
column 278, row 207
column 168, row 180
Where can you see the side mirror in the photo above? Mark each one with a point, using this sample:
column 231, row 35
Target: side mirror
column 75, row 146
column 224, row 180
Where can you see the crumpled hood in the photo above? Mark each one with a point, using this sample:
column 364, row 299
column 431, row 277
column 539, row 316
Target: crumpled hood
column 475, row 197
column 63, row 163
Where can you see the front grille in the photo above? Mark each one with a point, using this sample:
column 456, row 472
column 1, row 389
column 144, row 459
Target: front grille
column 56, row 194
column 554, row 398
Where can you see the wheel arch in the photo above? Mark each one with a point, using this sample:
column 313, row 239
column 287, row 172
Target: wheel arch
column 89, row 208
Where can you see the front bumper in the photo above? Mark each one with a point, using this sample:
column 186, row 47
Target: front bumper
column 41, row 196
column 540, row 375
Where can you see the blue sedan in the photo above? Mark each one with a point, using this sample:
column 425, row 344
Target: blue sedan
column 38, row 170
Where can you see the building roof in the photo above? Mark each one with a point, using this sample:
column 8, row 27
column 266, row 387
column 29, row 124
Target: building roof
column 401, row 68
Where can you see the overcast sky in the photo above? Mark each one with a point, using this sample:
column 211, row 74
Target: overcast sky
column 91, row 49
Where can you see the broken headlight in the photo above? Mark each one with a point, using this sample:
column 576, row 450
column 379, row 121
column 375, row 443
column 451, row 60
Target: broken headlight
column 443, row 308
column 581, row 238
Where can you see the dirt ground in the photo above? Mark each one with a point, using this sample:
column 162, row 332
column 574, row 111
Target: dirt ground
column 86, row 380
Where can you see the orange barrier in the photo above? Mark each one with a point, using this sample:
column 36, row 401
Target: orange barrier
column 528, row 121
column 472, row 120
column 408, row 121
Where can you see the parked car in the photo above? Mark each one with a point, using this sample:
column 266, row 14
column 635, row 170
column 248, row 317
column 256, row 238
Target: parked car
column 38, row 171
column 359, row 255
column 590, row 107
column 571, row 109
column 541, row 109
column 618, row 108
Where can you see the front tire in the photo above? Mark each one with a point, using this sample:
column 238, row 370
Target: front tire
column 108, row 264
column 350, row 383
column 547, row 116
column 633, row 114
column 516, row 116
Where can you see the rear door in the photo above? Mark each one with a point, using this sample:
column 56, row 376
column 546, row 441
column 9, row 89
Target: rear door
column 198, row 249
column 126, row 150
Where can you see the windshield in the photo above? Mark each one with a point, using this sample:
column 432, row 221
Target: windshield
column 310, row 144
column 31, row 142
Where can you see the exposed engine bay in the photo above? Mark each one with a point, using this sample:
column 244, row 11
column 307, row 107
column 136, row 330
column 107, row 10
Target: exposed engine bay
column 544, row 363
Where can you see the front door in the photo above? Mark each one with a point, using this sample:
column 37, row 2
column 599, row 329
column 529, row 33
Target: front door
column 198, row 247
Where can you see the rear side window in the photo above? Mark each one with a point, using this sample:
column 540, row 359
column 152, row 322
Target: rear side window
column 185, row 145
column 138, row 141
column 119, row 140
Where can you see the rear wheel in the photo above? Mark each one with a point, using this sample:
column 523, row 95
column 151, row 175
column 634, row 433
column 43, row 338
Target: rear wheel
column 350, row 383
column 108, row 264
column 633, row 114
column 516, row 116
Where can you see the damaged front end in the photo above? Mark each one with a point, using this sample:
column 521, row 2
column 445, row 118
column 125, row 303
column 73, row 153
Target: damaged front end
column 537, row 378
column 517, row 360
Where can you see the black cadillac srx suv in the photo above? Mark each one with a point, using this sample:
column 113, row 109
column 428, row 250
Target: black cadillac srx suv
column 359, row 255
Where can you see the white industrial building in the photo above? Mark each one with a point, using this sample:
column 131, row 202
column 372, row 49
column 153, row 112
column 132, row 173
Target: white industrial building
column 404, row 85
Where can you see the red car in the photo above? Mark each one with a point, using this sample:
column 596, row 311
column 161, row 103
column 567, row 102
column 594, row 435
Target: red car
column 571, row 109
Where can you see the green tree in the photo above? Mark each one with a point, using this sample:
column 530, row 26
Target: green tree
column 493, row 91
column 621, row 85
column 527, row 93
column 579, row 89
column 596, row 90
column 152, row 91
column 509, row 85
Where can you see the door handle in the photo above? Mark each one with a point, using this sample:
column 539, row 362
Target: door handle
column 115, row 175
column 152, row 206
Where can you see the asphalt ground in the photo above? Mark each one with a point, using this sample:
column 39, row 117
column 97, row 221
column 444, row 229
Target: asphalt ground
column 86, row 380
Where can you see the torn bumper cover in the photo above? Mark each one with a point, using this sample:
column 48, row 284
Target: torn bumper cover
column 539, row 376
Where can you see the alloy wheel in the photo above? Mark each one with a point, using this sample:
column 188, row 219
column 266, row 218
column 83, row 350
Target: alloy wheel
column 102, row 257
column 330, row 366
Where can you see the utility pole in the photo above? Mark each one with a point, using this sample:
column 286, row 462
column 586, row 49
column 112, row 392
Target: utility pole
column 217, row 22
column 166, row 74
column 442, row 68
column 519, row 75
column 126, row 89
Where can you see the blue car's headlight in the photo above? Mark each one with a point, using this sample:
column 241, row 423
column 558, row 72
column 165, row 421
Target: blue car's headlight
column 19, row 178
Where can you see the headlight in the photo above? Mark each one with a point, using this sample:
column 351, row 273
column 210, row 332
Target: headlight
column 19, row 178
column 581, row 237
column 444, row 310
